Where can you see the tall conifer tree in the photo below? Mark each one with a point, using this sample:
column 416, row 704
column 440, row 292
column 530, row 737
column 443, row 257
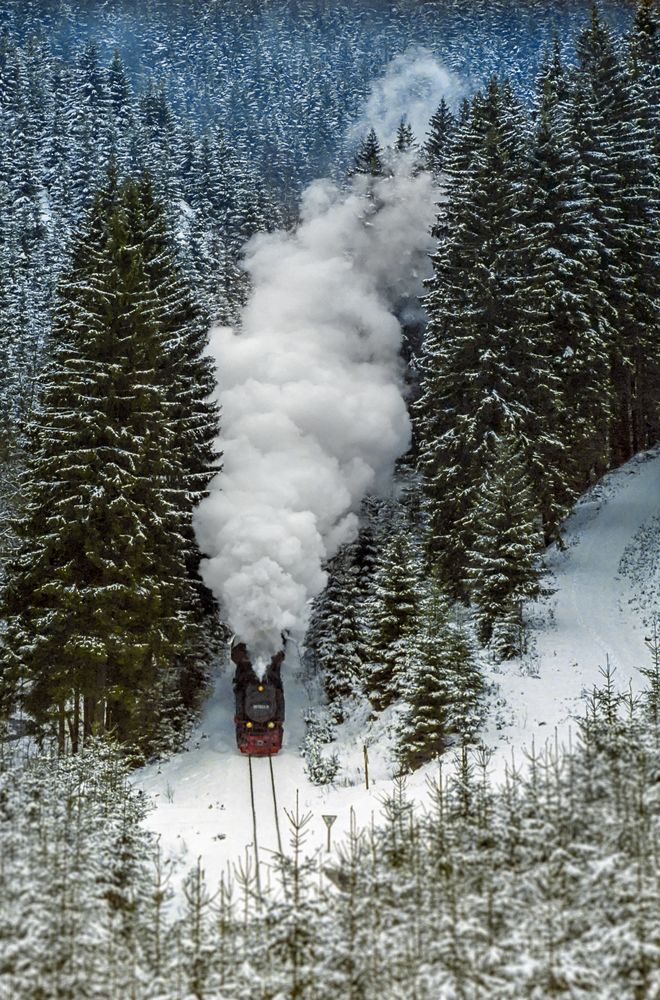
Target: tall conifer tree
column 478, row 367
column 506, row 528
column 99, row 597
column 617, row 152
column 441, row 687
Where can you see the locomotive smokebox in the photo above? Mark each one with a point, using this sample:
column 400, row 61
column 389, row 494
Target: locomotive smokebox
column 259, row 712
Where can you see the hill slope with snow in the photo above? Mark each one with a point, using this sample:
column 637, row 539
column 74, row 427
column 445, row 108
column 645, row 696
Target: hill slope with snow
column 604, row 593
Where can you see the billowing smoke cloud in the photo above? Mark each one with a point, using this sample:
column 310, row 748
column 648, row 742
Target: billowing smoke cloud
column 412, row 85
column 314, row 414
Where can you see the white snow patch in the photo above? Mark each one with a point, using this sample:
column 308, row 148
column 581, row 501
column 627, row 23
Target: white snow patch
column 606, row 592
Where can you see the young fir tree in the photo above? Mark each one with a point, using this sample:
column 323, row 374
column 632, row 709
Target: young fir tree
column 507, row 540
column 405, row 140
column 392, row 611
column 99, row 599
column 369, row 157
column 436, row 147
column 336, row 636
column 442, row 687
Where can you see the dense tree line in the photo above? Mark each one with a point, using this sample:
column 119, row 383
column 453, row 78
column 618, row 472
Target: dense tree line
column 543, row 885
column 539, row 369
column 105, row 615
column 287, row 80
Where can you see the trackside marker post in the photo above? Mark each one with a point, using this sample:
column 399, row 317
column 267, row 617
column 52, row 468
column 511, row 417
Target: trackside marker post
column 329, row 820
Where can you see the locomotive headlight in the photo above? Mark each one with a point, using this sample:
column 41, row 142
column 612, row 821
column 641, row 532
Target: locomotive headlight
column 248, row 725
column 271, row 725
column 260, row 688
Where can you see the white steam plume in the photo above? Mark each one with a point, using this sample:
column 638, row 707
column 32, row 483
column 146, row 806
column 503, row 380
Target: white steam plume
column 311, row 388
column 412, row 86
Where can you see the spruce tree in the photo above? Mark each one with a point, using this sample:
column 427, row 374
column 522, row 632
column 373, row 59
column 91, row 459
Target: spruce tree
column 392, row 612
column 476, row 368
column 369, row 157
column 563, row 308
column 188, row 375
column 507, row 539
column 335, row 639
column 617, row 152
column 436, row 147
column 644, row 66
column 98, row 598
column 442, row 687
column 405, row 140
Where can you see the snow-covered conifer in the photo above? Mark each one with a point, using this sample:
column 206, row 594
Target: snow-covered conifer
column 441, row 686
column 441, row 127
column 507, row 540
column 616, row 149
column 369, row 157
column 470, row 382
column 392, row 612
column 99, row 600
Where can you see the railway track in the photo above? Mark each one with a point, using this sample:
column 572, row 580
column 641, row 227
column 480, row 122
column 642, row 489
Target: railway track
column 256, row 801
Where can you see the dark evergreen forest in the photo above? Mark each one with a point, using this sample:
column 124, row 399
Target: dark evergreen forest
column 138, row 155
column 141, row 146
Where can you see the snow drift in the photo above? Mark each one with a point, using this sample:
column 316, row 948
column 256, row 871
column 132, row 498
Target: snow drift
column 311, row 387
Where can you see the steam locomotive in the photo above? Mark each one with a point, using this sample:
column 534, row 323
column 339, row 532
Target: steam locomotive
column 259, row 711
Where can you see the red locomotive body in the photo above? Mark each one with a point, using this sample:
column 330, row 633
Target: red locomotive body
column 259, row 713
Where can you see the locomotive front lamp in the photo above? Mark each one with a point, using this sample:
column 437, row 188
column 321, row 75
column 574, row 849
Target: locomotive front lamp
column 248, row 725
column 271, row 725
column 260, row 688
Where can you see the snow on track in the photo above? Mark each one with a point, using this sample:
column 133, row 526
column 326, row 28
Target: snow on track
column 605, row 591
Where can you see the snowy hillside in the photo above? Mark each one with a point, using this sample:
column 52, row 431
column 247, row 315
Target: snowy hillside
column 605, row 591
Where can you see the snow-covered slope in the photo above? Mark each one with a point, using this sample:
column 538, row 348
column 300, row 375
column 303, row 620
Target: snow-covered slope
column 606, row 592
column 605, row 587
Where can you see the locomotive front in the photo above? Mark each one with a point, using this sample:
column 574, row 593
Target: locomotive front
column 259, row 714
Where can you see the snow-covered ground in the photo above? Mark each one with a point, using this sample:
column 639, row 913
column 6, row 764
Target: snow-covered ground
column 606, row 586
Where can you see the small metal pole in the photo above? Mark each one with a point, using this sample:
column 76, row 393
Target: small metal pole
column 366, row 765
column 329, row 820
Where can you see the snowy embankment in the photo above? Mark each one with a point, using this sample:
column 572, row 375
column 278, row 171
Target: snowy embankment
column 605, row 586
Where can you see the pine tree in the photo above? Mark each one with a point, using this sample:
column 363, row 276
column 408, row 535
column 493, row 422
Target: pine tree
column 617, row 152
column 644, row 66
column 405, row 140
column 98, row 597
column 369, row 157
column 392, row 611
column 441, row 688
column 188, row 374
column 477, row 371
column 563, row 309
column 88, row 124
column 335, row 639
column 441, row 128
column 507, row 540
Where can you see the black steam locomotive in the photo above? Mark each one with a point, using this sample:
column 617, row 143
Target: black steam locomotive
column 259, row 712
